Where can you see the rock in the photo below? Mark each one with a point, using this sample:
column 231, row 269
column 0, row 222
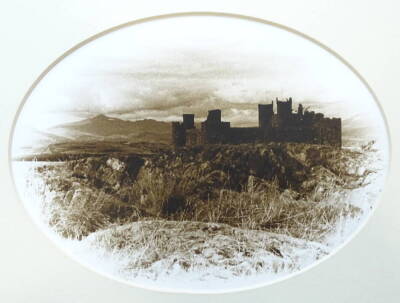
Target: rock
column 116, row 164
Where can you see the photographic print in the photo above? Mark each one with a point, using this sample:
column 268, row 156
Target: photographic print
column 200, row 153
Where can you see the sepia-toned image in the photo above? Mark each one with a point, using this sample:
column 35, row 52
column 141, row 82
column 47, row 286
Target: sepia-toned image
column 200, row 153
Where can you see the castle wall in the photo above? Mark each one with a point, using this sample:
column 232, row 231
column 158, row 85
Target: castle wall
column 330, row 131
column 213, row 130
column 193, row 137
column 293, row 133
column 178, row 134
column 215, row 133
column 285, row 126
column 239, row 135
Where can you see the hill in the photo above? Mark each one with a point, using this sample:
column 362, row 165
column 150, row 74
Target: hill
column 102, row 127
column 218, row 211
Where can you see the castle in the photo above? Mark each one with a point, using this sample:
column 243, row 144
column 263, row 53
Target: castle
column 284, row 126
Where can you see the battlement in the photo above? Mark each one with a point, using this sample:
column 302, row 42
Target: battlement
column 284, row 126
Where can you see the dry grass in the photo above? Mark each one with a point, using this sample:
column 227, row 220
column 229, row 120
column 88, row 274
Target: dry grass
column 74, row 210
column 261, row 206
column 201, row 247
column 189, row 221
column 191, row 192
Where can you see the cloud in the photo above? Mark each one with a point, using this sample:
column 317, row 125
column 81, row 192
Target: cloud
column 188, row 81
column 165, row 68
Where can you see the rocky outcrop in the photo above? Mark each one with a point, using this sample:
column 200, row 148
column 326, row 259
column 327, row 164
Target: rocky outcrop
column 289, row 164
column 266, row 183
column 298, row 167
column 108, row 173
column 173, row 181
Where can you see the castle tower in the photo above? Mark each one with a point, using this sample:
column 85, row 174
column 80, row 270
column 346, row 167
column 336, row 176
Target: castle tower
column 265, row 113
column 214, row 116
column 188, row 121
column 284, row 108
column 178, row 134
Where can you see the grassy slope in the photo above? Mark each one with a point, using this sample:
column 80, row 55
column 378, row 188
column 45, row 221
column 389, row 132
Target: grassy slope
column 279, row 225
column 169, row 249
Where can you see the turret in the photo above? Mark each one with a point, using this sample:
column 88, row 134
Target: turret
column 300, row 110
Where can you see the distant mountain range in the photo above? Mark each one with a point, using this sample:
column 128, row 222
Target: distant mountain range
column 102, row 127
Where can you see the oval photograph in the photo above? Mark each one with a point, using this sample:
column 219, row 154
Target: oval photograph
column 199, row 153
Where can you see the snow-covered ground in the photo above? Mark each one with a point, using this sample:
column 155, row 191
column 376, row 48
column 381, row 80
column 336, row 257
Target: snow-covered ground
column 210, row 257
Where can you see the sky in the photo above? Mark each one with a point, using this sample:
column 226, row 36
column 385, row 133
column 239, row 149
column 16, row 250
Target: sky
column 165, row 68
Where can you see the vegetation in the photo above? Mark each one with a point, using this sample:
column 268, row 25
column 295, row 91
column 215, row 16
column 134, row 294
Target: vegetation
column 289, row 189
column 196, row 247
